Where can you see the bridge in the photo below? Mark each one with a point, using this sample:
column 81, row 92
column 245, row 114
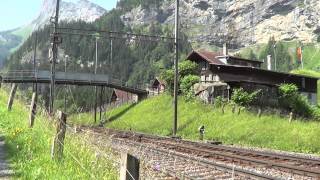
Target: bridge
column 81, row 79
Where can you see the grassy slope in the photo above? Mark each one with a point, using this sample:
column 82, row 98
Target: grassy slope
column 155, row 116
column 30, row 149
column 310, row 73
column 311, row 52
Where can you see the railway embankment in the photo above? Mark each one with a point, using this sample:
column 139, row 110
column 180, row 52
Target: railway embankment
column 271, row 131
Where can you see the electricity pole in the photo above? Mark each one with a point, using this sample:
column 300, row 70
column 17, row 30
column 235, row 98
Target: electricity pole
column 96, row 88
column 65, row 86
column 34, row 87
column 275, row 56
column 54, row 57
column 176, row 76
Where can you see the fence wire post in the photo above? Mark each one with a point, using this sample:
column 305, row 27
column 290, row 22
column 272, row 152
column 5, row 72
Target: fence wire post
column 58, row 142
column 129, row 167
column 33, row 109
column 11, row 97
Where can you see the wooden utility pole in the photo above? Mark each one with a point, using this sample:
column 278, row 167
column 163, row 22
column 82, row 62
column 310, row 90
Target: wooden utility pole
column 55, row 43
column 58, row 142
column 176, row 76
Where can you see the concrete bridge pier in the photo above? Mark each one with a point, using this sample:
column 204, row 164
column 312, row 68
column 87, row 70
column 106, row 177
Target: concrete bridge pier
column 12, row 94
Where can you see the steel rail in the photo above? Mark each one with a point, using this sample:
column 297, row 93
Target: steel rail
column 250, row 159
column 204, row 162
column 254, row 154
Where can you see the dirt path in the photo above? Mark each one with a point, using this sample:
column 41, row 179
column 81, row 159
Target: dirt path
column 5, row 171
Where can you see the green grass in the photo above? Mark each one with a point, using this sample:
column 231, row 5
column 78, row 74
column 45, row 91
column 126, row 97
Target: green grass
column 154, row 116
column 312, row 73
column 311, row 53
column 29, row 149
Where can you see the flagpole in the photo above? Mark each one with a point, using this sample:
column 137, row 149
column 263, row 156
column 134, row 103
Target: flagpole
column 301, row 57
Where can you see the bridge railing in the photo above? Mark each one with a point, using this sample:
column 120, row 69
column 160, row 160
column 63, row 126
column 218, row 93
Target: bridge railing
column 18, row 74
column 82, row 77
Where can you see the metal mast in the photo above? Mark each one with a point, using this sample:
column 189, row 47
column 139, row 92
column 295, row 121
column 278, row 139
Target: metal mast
column 54, row 57
column 176, row 76
column 96, row 88
column 34, row 87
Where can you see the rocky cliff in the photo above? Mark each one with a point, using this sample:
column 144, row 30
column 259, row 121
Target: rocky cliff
column 241, row 22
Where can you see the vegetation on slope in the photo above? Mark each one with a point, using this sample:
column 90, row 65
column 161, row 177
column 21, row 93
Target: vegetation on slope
column 29, row 149
column 286, row 52
column 270, row 131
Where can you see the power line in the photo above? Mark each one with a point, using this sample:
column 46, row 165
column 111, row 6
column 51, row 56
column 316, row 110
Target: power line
column 113, row 34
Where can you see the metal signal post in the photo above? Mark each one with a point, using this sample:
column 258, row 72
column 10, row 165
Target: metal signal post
column 176, row 76
column 55, row 43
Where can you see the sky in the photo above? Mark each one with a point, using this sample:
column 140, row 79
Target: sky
column 15, row 13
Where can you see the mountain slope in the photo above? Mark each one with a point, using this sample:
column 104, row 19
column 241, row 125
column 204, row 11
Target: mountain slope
column 242, row 22
column 82, row 10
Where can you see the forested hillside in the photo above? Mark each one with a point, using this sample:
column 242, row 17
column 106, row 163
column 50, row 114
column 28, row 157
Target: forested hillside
column 134, row 61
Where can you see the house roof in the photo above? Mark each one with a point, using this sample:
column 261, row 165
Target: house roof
column 266, row 71
column 243, row 59
column 123, row 95
column 211, row 57
column 160, row 81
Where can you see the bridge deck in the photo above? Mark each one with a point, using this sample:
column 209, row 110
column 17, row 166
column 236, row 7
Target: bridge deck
column 84, row 79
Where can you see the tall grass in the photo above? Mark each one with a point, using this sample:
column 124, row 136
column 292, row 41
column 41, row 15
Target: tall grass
column 155, row 116
column 29, row 149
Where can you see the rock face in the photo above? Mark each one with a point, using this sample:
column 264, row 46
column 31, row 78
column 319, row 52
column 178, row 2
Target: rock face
column 241, row 22
column 81, row 10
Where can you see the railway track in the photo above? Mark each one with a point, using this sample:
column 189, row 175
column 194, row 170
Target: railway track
column 209, row 154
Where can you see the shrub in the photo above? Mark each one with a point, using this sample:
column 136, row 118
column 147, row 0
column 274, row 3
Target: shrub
column 187, row 68
column 219, row 101
column 187, row 72
column 187, row 83
column 290, row 99
column 168, row 77
column 244, row 98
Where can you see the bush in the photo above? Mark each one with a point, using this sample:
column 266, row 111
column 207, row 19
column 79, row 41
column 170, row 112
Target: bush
column 219, row 101
column 187, row 83
column 168, row 77
column 244, row 98
column 187, row 68
column 290, row 99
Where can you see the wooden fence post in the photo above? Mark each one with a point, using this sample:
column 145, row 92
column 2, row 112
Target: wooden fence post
column 11, row 97
column 129, row 167
column 33, row 109
column 58, row 142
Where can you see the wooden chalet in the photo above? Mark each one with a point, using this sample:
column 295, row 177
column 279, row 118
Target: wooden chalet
column 158, row 86
column 233, row 72
column 119, row 97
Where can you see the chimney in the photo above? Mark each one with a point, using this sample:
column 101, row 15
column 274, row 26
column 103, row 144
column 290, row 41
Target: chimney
column 225, row 49
column 269, row 62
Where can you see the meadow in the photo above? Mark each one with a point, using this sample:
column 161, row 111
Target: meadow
column 29, row 149
column 155, row 116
